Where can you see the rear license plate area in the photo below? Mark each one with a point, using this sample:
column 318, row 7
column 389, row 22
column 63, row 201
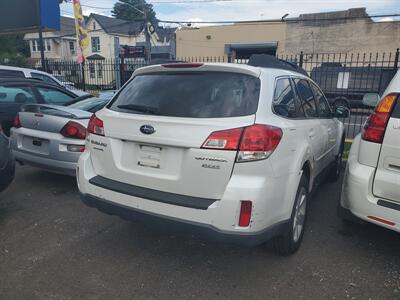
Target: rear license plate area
column 150, row 156
column 37, row 142
column 36, row 145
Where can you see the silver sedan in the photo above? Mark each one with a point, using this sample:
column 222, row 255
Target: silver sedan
column 52, row 137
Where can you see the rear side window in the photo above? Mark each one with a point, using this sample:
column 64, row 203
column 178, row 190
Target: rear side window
column 396, row 111
column 285, row 103
column 190, row 95
column 44, row 78
column 306, row 96
column 11, row 74
column 53, row 96
column 322, row 104
column 17, row 94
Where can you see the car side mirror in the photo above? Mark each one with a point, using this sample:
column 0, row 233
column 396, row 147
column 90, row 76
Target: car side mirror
column 342, row 112
column 370, row 99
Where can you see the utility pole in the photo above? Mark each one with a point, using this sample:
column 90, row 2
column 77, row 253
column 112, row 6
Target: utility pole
column 41, row 43
column 146, row 32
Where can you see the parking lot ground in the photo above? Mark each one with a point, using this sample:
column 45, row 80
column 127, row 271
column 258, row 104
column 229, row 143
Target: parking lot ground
column 54, row 247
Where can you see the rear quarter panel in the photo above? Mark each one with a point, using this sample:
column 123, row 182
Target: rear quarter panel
column 293, row 150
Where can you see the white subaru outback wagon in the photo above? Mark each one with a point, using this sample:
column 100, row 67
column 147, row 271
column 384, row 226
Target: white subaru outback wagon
column 227, row 150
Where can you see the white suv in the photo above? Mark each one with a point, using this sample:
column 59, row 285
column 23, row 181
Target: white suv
column 371, row 188
column 227, row 150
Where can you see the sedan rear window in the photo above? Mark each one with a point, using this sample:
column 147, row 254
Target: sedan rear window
column 190, row 95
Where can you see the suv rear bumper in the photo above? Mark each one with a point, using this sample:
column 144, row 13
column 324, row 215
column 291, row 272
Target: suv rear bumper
column 179, row 225
column 357, row 197
column 218, row 218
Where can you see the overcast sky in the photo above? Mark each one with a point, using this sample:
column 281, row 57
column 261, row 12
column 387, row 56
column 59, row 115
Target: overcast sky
column 242, row 9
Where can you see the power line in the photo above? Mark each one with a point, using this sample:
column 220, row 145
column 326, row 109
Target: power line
column 165, row 2
column 294, row 20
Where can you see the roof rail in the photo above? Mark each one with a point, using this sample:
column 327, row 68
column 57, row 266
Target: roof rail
column 270, row 61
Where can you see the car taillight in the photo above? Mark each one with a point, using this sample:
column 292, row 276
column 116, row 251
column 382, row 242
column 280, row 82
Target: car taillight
column 74, row 130
column 224, row 139
column 17, row 121
column 96, row 126
column 254, row 142
column 245, row 213
column 259, row 142
column 375, row 127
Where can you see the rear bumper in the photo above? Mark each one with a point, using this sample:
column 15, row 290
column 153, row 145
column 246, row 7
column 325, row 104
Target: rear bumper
column 55, row 158
column 55, row 166
column 219, row 219
column 357, row 198
column 179, row 225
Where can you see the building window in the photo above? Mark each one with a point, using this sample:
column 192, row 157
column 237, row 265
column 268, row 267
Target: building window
column 35, row 45
column 92, row 70
column 95, row 44
column 47, row 45
column 94, row 25
column 72, row 47
column 99, row 70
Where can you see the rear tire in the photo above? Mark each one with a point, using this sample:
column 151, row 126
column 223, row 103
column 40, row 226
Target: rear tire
column 290, row 241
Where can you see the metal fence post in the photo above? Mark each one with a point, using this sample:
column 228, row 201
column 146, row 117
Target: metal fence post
column 121, row 66
column 83, row 76
column 396, row 58
column 301, row 59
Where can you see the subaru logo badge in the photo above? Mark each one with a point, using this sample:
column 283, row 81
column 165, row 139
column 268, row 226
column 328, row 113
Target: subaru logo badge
column 147, row 129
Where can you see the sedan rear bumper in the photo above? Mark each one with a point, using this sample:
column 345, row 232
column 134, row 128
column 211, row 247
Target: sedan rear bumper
column 55, row 166
column 184, row 226
column 54, row 156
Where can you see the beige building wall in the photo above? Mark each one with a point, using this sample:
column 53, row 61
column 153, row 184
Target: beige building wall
column 211, row 40
column 356, row 36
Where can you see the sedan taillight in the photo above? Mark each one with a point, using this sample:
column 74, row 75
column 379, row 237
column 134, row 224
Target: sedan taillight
column 17, row 121
column 375, row 127
column 74, row 130
column 254, row 142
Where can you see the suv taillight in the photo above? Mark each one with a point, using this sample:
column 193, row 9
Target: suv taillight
column 96, row 126
column 375, row 127
column 74, row 130
column 254, row 142
column 17, row 121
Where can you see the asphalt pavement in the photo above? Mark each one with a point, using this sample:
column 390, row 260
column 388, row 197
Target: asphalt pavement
column 54, row 247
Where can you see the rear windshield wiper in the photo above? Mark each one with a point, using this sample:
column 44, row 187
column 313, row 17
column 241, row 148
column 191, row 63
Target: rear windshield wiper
column 140, row 108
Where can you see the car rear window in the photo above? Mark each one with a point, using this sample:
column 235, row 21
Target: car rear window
column 92, row 104
column 190, row 95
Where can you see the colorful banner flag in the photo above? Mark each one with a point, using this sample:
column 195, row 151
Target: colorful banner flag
column 81, row 33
